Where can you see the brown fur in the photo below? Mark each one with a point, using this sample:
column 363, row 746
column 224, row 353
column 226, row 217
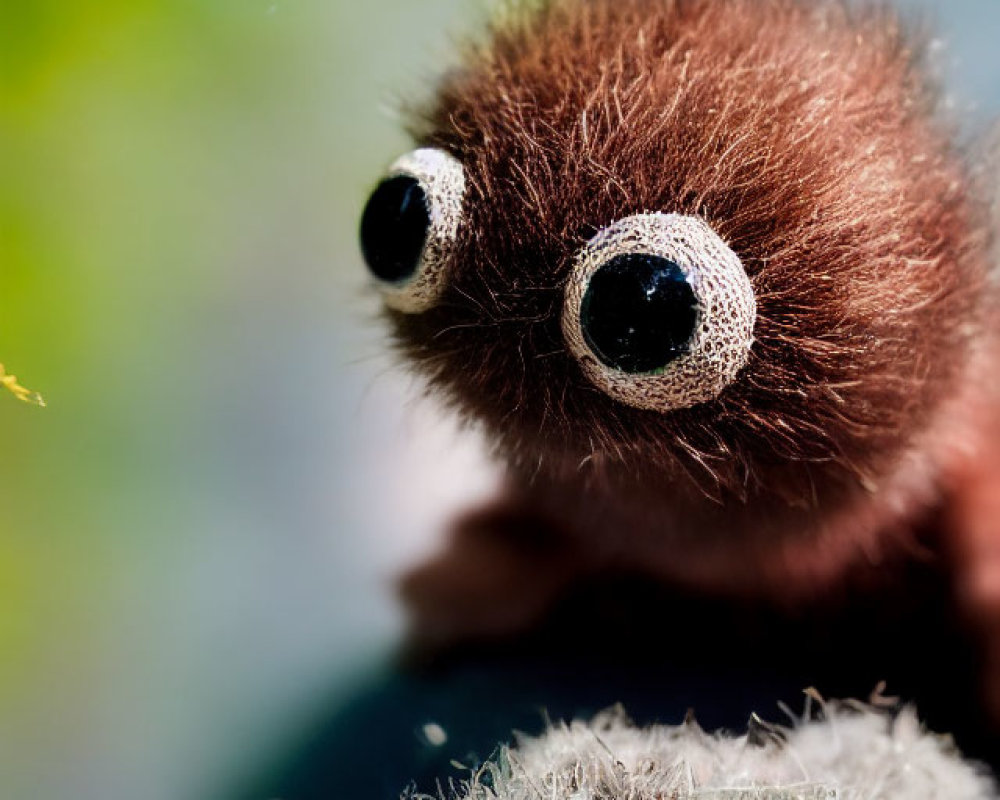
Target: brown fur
column 807, row 134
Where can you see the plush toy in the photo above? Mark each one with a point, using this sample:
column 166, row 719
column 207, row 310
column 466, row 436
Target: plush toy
column 715, row 281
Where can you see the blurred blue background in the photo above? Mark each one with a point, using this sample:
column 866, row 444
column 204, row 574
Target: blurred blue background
column 198, row 535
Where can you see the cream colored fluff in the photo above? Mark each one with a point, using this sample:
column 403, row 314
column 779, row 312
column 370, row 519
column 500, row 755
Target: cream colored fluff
column 852, row 752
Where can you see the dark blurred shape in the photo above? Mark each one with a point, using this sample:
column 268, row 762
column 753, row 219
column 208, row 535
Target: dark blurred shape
column 625, row 639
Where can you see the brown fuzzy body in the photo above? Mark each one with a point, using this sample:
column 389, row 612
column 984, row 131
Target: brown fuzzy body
column 807, row 136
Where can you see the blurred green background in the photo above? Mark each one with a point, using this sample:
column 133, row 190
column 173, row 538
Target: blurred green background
column 197, row 535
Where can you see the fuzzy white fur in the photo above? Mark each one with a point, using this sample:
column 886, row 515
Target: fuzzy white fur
column 851, row 752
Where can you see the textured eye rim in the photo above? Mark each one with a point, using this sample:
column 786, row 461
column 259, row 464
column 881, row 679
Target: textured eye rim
column 727, row 311
column 441, row 176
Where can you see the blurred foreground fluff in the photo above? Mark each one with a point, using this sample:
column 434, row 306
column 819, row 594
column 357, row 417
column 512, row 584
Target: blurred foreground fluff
column 850, row 752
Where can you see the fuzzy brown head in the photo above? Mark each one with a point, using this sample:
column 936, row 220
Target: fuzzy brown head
column 720, row 245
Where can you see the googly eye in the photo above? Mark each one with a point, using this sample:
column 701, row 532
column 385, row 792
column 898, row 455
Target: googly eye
column 659, row 312
column 409, row 226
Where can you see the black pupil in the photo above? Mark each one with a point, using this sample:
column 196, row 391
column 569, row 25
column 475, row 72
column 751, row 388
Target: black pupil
column 394, row 228
column 639, row 313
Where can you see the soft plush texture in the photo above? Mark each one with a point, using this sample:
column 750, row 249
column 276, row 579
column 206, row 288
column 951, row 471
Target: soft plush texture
column 861, row 431
column 851, row 752
column 808, row 135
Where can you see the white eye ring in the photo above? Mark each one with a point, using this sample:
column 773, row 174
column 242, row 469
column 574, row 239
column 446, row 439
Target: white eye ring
column 726, row 311
column 441, row 178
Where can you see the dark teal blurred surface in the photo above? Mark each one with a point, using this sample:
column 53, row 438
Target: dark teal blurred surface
column 622, row 639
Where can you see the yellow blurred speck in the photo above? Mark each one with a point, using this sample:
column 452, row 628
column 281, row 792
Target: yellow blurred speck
column 9, row 382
